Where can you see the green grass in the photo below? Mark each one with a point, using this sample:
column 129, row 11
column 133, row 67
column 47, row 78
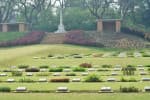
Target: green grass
column 25, row 54
column 123, row 96
column 7, row 36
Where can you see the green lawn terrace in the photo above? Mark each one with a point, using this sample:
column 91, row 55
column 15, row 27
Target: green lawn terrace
column 46, row 58
column 69, row 55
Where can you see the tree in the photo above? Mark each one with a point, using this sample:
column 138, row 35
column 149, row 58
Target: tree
column 98, row 7
column 31, row 9
column 6, row 10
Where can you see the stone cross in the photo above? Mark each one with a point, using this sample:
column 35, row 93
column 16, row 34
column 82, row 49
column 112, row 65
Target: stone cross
column 61, row 28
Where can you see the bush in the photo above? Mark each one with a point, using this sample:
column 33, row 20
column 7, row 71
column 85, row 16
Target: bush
column 77, row 56
column 32, row 70
column 60, row 80
column 146, row 55
column 23, row 66
column 7, row 70
column 92, row 78
column 78, row 69
column 44, row 66
column 70, row 74
column 147, row 65
column 79, row 37
column 129, row 89
column 5, row 89
column 86, row 65
column 26, row 80
column 128, row 80
column 106, row 66
column 129, row 70
column 16, row 73
column 30, row 38
column 50, row 55
column 56, row 69
column 132, row 80
column 123, row 79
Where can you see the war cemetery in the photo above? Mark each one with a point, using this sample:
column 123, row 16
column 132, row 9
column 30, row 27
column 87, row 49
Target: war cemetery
column 74, row 49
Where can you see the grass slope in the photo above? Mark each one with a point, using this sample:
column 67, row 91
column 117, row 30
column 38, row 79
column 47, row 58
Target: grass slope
column 25, row 54
column 7, row 36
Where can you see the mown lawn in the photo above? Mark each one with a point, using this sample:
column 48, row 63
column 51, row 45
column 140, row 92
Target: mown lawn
column 24, row 55
column 118, row 96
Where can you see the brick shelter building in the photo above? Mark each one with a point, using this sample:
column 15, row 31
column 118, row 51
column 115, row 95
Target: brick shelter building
column 109, row 25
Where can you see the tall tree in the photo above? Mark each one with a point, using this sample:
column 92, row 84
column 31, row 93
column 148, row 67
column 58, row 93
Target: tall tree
column 6, row 9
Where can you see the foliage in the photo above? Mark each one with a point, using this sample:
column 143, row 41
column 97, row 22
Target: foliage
column 30, row 38
column 129, row 89
column 58, row 69
column 86, row 65
column 23, row 66
column 79, row 37
column 129, row 70
column 16, row 73
column 71, row 74
column 26, row 80
column 106, row 66
column 5, row 89
column 60, row 80
column 81, row 20
column 32, row 70
column 44, row 66
column 78, row 69
column 93, row 78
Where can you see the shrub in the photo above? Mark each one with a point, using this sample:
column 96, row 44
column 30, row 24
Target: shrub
column 7, row 70
column 146, row 55
column 30, row 38
column 77, row 56
column 70, row 74
column 44, row 66
column 56, row 69
column 5, row 89
column 123, row 79
column 132, row 80
column 147, row 65
column 16, row 73
column 92, row 78
column 129, row 70
column 78, row 69
column 26, row 80
column 50, row 55
column 128, row 80
column 79, row 37
column 23, row 66
column 86, row 65
column 60, row 80
column 129, row 89
column 106, row 66
column 32, row 70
